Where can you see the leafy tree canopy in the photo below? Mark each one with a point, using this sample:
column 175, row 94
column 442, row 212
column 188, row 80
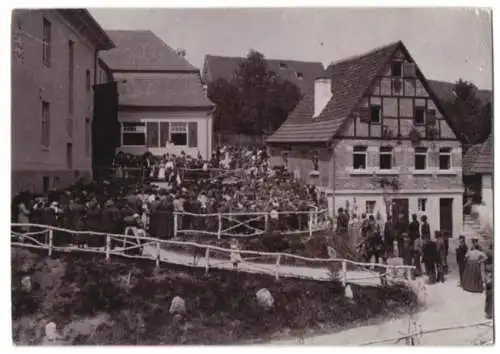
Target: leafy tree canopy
column 255, row 102
column 473, row 119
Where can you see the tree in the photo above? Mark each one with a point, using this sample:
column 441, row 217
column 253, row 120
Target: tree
column 255, row 102
column 473, row 120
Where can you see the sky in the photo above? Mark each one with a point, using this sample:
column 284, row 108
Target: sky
column 447, row 44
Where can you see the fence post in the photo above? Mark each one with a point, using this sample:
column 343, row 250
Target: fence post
column 266, row 221
column 175, row 225
column 207, row 256
column 278, row 259
column 219, row 231
column 344, row 273
column 51, row 241
column 108, row 246
column 157, row 254
column 310, row 224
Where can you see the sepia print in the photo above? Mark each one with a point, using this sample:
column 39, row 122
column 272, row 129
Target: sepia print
column 252, row 176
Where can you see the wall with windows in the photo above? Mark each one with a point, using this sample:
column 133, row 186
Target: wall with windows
column 52, row 101
column 419, row 203
column 166, row 132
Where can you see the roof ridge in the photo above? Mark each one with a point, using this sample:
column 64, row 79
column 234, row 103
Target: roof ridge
column 358, row 56
column 265, row 58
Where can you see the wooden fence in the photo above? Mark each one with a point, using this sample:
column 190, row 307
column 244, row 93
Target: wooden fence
column 44, row 237
column 412, row 338
column 250, row 224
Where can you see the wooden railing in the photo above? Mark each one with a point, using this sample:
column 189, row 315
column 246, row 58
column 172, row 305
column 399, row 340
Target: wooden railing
column 413, row 338
column 39, row 236
column 250, row 224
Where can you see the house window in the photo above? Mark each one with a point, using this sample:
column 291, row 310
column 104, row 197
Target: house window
column 69, row 156
column 299, row 75
column 375, row 113
column 164, row 133
column 370, row 206
column 283, row 66
column 133, row 134
column 397, row 68
column 45, row 132
column 385, row 158
column 445, row 158
column 71, row 69
column 87, row 136
column 88, row 83
column 47, row 42
column 419, row 116
column 178, row 134
column 422, row 204
column 359, row 158
column 420, row 158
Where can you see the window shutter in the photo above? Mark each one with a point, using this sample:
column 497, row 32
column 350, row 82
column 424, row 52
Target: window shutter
column 409, row 69
column 152, row 134
column 164, row 133
column 364, row 115
column 193, row 134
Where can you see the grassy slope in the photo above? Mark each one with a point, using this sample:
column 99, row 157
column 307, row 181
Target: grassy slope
column 221, row 307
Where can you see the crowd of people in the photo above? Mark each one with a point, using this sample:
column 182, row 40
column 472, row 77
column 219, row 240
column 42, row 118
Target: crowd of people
column 114, row 206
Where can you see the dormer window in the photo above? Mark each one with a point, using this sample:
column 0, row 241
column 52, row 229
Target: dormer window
column 397, row 68
column 299, row 75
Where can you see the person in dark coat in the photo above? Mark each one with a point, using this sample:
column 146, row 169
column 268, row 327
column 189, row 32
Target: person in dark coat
column 430, row 257
column 400, row 230
column 414, row 228
column 426, row 229
column 441, row 254
column 389, row 237
column 461, row 251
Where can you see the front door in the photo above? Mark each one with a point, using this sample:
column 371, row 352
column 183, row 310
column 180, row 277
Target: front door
column 446, row 216
column 400, row 206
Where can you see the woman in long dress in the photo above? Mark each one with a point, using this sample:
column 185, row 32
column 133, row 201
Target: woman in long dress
column 161, row 172
column 473, row 277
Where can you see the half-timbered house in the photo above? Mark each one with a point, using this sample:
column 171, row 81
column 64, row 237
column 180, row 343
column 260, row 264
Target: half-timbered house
column 375, row 139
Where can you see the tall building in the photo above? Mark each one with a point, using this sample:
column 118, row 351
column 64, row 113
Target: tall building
column 54, row 66
column 376, row 139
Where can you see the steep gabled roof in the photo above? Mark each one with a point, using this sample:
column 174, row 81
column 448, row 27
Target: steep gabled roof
column 143, row 51
column 479, row 158
column 216, row 67
column 351, row 78
column 179, row 90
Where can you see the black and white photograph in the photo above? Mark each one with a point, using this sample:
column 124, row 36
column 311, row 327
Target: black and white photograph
column 286, row 176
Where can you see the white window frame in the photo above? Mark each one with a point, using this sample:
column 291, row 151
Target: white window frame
column 123, row 131
column 445, row 153
column 390, row 153
column 364, row 153
column 185, row 130
column 422, row 205
column 426, row 154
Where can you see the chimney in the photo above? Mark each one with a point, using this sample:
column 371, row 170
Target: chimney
column 322, row 94
column 181, row 52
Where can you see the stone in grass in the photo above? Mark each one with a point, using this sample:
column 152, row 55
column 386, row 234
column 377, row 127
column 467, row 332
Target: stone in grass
column 265, row 299
column 177, row 306
column 26, row 283
column 348, row 292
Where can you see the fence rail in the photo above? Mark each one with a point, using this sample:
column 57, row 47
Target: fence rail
column 407, row 337
column 249, row 224
column 132, row 246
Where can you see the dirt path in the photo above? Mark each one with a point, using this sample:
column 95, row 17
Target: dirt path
column 447, row 305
